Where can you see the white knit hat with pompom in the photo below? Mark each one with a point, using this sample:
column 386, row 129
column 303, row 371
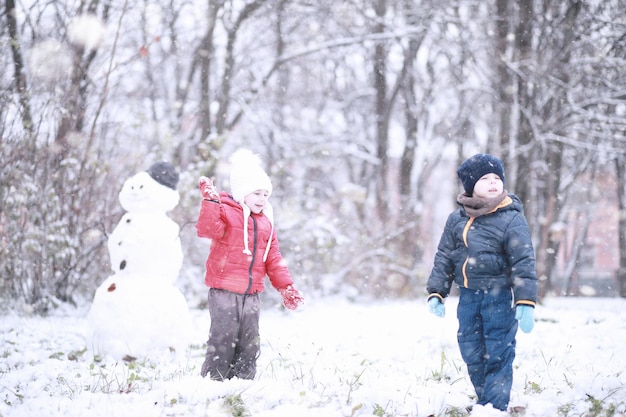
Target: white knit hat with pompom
column 247, row 176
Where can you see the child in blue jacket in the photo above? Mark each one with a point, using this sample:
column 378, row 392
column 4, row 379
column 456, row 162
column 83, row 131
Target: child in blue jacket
column 486, row 249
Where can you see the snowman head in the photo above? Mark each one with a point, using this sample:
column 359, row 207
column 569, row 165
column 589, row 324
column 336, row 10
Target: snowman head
column 153, row 190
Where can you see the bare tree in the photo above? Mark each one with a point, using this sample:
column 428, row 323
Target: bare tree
column 357, row 108
column 51, row 210
column 549, row 146
column 620, row 169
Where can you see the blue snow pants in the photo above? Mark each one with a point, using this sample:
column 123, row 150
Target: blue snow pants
column 486, row 336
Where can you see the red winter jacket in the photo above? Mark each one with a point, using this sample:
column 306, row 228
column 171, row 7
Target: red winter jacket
column 227, row 266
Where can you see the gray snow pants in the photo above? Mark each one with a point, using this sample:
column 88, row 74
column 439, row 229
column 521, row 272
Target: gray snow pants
column 233, row 346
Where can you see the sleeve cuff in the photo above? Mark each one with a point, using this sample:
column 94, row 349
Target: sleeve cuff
column 435, row 295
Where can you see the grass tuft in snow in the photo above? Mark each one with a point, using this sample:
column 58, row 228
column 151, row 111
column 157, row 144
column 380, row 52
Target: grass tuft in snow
column 236, row 406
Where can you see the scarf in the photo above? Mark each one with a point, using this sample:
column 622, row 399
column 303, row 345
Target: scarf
column 478, row 206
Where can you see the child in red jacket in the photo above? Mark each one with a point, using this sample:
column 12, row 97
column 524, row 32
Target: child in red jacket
column 244, row 249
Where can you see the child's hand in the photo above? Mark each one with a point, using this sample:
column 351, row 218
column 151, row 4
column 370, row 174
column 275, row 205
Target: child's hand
column 208, row 190
column 292, row 298
column 525, row 315
column 436, row 307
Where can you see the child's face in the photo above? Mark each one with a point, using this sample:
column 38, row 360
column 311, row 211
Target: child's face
column 489, row 185
column 256, row 200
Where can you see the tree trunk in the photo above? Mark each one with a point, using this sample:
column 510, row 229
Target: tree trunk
column 504, row 85
column 524, row 136
column 205, row 56
column 380, row 111
column 18, row 67
column 620, row 168
column 221, row 117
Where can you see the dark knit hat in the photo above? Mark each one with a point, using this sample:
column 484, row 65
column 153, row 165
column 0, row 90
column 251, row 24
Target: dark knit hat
column 164, row 173
column 475, row 167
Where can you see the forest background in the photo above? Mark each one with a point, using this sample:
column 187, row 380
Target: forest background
column 361, row 111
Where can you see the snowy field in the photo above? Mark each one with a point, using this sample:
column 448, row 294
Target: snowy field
column 332, row 358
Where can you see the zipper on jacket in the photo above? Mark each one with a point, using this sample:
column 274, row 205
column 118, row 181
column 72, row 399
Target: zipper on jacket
column 507, row 200
column 254, row 234
column 465, row 232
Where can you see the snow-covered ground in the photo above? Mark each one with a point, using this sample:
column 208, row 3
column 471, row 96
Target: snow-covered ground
column 332, row 358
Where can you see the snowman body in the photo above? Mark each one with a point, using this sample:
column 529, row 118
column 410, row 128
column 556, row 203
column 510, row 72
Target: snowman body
column 138, row 311
column 146, row 241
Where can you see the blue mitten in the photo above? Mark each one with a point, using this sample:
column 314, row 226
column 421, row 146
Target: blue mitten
column 436, row 307
column 525, row 315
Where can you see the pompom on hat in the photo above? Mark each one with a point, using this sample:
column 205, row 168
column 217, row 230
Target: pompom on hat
column 247, row 176
column 470, row 171
column 164, row 173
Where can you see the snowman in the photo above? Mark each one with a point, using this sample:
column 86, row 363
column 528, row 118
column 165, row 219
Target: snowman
column 138, row 310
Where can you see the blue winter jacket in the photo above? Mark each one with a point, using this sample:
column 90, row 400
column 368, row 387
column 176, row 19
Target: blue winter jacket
column 490, row 252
